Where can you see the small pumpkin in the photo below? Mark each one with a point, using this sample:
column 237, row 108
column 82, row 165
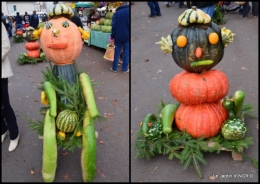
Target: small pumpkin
column 202, row 119
column 33, row 54
column 206, row 37
column 193, row 88
column 32, row 45
column 19, row 32
column 61, row 44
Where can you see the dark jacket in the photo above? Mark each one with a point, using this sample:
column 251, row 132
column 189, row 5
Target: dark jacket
column 120, row 24
column 203, row 4
column 18, row 19
column 76, row 20
column 34, row 21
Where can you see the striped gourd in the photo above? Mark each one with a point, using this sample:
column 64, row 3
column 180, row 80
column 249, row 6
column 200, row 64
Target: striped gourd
column 66, row 120
column 61, row 9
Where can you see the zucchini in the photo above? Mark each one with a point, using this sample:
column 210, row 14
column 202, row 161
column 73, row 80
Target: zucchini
column 167, row 115
column 238, row 99
column 88, row 152
column 89, row 95
column 51, row 94
column 201, row 63
column 148, row 118
column 49, row 158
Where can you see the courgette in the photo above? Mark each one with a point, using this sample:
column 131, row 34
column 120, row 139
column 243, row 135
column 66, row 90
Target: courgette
column 167, row 115
column 88, row 152
column 51, row 94
column 148, row 118
column 238, row 99
column 49, row 158
column 89, row 95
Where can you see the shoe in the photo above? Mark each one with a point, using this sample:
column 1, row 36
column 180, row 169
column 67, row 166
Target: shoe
column 152, row 16
column 113, row 70
column 3, row 136
column 127, row 71
column 13, row 144
column 167, row 5
column 158, row 14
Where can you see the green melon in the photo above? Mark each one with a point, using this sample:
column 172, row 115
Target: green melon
column 107, row 22
column 95, row 27
column 155, row 131
column 109, row 15
column 233, row 129
column 66, row 120
column 102, row 20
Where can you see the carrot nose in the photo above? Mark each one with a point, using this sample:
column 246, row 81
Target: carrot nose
column 198, row 52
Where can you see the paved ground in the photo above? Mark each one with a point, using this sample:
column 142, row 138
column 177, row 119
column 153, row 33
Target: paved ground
column 112, row 98
column 151, row 73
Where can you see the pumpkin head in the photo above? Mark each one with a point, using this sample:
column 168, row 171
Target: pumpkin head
column 196, row 39
column 19, row 32
column 61, row 40
column 193, row 88
column 202, row 119
column 32, row 45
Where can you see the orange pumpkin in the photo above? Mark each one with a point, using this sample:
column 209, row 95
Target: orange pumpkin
column 32, row 45
column 61, row 41
column 202, row 119
column 33, row 54
column 19, row 32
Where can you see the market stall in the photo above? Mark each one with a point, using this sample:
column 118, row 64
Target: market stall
column 98, row 39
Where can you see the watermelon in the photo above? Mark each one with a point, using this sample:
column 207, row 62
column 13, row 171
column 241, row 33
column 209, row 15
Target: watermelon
column 66, row 120
column 102, row 20
column 109, row 15
column 233, row 129
column 95, row 27
column 107, row 22
column 155, row 131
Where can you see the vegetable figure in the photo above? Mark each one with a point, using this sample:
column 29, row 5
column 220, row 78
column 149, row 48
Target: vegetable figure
column 61, row 42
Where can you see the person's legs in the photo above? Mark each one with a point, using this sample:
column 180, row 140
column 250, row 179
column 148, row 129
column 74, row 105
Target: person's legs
column 152, row 9
column 157, row 8
column 255, row 8
column 126, row 56
column 8, row 117
column 118, row 47
column 246, row 8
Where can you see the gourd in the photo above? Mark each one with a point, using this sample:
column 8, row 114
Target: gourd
column 193, row 88
column 233, row 129
column 201, row 120
column 201, row 35
column 152, row 127
column 66, row 120
column 32, row 45
column 60, row 9
column 33, row 54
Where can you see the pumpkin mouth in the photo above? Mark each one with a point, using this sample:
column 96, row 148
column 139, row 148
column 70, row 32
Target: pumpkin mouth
column 57, row 45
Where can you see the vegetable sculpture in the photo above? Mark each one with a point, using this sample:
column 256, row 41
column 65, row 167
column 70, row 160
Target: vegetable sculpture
column 61, row 41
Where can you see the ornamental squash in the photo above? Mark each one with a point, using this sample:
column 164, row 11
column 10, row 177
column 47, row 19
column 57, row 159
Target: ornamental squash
column 61, row 41
column 205, row 37
column 19, row 32
column 32, row 45
column 193, row 88
column 201, row 120
column 33, row 54
column 66, row 120
column 233, row 129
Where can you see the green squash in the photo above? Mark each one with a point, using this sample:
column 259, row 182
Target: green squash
column 155, row 131
column 233, row 129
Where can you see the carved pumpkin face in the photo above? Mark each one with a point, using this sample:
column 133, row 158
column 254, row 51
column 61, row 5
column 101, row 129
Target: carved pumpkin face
column 61, row 41
column 203, row 42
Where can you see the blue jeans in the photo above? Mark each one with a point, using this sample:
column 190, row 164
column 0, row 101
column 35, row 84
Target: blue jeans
column 8, row 117
column 209, row 10
column 19, row 26
column 126, row 50
column 154, row 8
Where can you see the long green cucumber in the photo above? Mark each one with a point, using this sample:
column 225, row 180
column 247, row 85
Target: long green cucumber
column 51, row 94
column 167, row 115
column 89, row 95
column 238, row 99
column 49, row 157
column 148, row 118
column 88, row 152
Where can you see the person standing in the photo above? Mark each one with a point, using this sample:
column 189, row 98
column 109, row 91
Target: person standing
column 255, row 8
column 34, row 20
column 154, row 8
column 8, row 117
column 26, row 19
column 120, row 36
column 18, row 20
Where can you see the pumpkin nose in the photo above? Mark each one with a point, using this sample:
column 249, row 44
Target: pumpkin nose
column 198, row 52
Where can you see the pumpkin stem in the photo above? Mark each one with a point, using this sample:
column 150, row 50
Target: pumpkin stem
column 194, row 8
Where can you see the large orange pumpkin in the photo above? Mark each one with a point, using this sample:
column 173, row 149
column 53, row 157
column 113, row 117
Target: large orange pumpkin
column 32, row 45
column 194, row 88
column 202, row 119
column 61, row 41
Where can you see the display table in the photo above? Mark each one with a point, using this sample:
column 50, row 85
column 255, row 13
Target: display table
column 98, row 39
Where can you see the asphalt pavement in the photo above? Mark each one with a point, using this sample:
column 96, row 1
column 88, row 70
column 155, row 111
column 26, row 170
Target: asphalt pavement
column 112, row 97
column 151, row 72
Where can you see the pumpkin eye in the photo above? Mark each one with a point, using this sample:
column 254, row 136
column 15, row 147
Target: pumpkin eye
column 213, row 38
column 48, row 25
column 65, row 23
column 181, row 41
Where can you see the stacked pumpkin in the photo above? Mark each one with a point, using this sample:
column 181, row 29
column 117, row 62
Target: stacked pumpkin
column 32, row 35
column 198, row 46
